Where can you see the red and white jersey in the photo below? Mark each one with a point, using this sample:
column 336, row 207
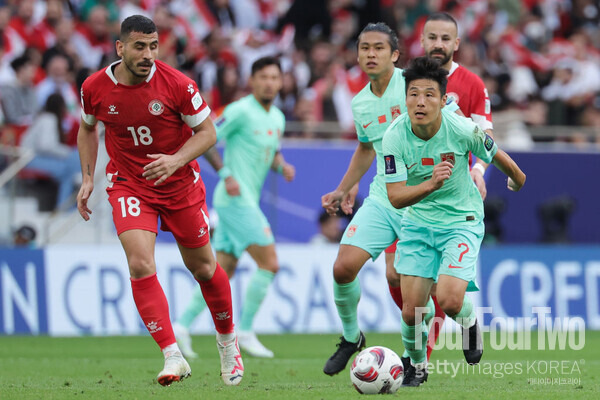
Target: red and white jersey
column 153, row 117
column 469, row 92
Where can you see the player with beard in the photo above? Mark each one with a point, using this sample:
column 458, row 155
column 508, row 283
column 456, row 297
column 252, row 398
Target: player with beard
column 156, row 124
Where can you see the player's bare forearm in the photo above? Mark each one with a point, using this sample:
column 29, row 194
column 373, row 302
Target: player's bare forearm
column 214, row 158
column 359, row 164
column 205, row 137
column 87, row 146
column 400, row 195
column 504, row 163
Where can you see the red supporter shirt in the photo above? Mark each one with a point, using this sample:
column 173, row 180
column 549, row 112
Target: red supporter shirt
column 469, row 92
column 153, row 117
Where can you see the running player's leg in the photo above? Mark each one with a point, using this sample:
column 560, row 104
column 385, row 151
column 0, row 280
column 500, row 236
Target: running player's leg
column 256, row 291
column 346, row 293
column 216, row 290
column 457, row 273
column 393, row 278
column 368, row 234
column 151, row 302
column 438, row 322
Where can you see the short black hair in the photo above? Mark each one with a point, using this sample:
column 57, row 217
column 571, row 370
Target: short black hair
column 426, row 68
column 136, row 23
column 383, row 28
column 20, row 62
column 265, row 62
column 442, row 16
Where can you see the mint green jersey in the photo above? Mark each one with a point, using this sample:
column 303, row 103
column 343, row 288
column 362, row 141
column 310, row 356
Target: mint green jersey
column 372, row 116
column 411, row 159
column 252, row 137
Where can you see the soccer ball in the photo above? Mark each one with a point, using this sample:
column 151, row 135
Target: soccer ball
column 376, row 370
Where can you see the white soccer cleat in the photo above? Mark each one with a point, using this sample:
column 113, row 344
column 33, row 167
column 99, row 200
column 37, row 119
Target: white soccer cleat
column 251, row 345
column 232, row 367
column 176, row 369
column 184, row 340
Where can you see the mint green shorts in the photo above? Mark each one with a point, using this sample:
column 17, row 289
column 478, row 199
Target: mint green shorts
column 239, row 227
column 429, row 252
column 373, row 228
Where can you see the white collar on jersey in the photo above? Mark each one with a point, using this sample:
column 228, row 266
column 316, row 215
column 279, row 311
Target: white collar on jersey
column 453, row 68
column 109, row 72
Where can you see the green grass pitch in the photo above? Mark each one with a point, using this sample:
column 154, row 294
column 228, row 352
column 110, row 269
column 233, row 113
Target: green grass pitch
column 126, row 368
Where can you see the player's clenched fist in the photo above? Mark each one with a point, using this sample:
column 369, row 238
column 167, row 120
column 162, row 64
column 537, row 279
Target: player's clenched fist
column 441, row 172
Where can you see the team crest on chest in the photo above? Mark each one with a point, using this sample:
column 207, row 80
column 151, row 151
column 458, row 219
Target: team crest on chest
column 395, row 112
column 156, row 107
column 448, row 157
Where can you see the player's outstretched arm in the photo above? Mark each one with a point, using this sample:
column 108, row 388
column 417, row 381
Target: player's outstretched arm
column 401, row 195
column 87, row 145
column 164, row 165
column 359, row 164
column 516, row 177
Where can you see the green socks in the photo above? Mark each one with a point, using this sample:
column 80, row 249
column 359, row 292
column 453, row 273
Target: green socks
column 466, row 316
column 414, row 339
column 346, row 296
column 194, row 308
column 255, row 294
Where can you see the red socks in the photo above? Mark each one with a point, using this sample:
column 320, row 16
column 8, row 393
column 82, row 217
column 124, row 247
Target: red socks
column 152, row 306
column 436, row 327
column 217, row 294
column 396, row 295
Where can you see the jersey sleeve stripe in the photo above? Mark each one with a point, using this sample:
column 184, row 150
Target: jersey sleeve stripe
column 482, row 121
column 196, row 119
column 88, row 118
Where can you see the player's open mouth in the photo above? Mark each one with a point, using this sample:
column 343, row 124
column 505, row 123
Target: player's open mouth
column 371, row 64
column 420, row 114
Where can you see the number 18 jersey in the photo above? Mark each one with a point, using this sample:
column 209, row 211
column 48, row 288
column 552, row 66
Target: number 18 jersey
column 153, row 117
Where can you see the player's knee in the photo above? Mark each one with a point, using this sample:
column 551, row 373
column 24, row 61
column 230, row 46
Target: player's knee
column 141, row 267
column 271, row 267
column 408, row 315
column 344, row 272
column 451, row 305
column 204, row 271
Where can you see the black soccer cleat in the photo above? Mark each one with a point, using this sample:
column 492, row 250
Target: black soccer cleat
column 337, row 362
column 472, row 344
column 405, row 363
column 414, row 376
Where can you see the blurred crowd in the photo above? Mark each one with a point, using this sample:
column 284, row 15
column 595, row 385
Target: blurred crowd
column 539, row 59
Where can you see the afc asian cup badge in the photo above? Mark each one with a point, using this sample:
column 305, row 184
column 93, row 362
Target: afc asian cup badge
column 156, row 107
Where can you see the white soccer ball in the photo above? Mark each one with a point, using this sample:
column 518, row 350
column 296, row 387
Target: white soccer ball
column 376, row 370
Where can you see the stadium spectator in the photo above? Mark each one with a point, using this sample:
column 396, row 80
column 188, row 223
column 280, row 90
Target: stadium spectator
column 52, row 156
column 25, row 236
column 330, row 229
column 59, row 79
column 19, row 100
column 154, row 173
column 93, row 40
